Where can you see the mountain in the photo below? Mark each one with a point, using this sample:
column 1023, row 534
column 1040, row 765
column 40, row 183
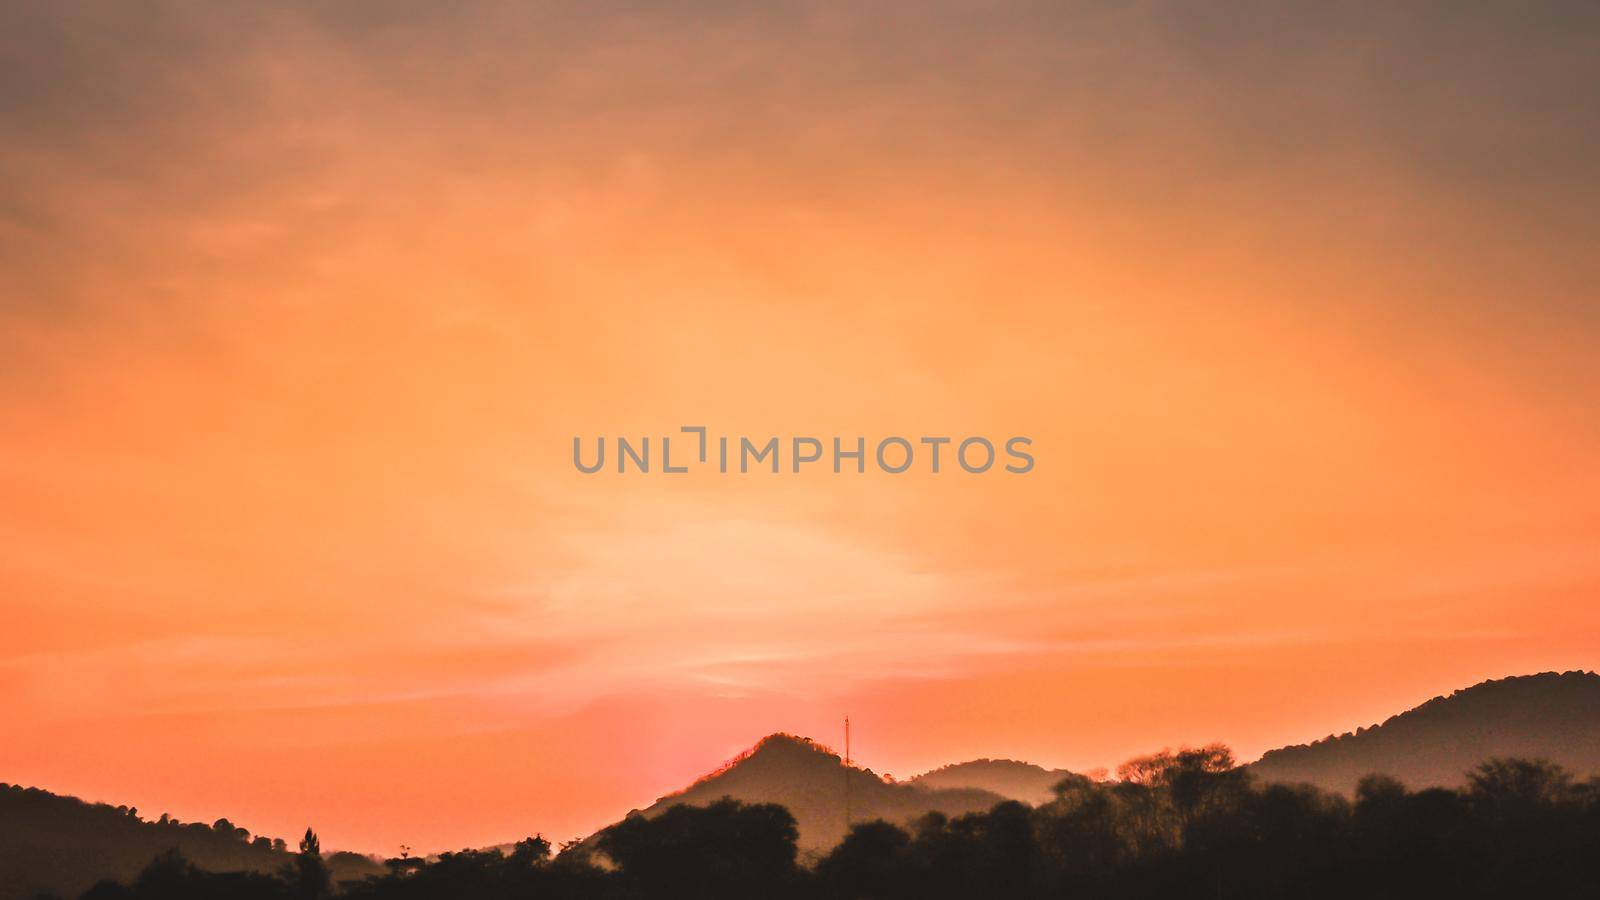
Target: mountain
column 812, row 781
column 1554, row 716
column 1009, row 778
column 61, row 846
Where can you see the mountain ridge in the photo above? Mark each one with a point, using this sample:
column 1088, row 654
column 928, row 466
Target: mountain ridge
column 51, row 844
column 814, row 783
column 1010, row 778
column 62, row 844
column 1547, row 715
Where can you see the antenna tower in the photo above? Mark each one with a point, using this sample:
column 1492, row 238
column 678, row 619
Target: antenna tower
column 846, row 769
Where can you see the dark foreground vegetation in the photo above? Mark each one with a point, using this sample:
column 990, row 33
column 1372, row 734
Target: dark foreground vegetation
column 1186, row 824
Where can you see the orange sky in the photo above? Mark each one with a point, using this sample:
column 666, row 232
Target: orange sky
column 300, row 310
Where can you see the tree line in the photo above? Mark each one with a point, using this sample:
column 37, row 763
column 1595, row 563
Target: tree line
column 1185, row 824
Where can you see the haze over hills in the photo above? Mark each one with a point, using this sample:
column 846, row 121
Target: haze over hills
column 62, row 846
column 815, row 785
column 1553, row 716
column 1550, row 716
column 1009, row 778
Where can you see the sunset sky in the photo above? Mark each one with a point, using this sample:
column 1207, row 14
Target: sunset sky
column 302, row 304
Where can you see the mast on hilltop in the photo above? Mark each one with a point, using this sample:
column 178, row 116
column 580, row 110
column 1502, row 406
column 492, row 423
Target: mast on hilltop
column 846, row 769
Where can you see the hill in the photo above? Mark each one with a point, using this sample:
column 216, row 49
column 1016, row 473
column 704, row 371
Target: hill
column 1553, row 716
column 57, row 845
column 1008, row 778
column 811, row 781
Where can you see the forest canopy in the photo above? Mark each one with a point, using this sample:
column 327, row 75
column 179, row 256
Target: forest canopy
column 1177, row 824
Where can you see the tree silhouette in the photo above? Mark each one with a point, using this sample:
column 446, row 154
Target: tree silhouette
column 869, row 862
column 1183, row 824
column 728, row 849
column 308, row 875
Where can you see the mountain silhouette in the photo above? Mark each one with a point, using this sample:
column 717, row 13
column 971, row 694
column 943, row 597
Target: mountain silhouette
column 1007, row 778
column 1551, row 716
column 811, row 781
column 61, row 846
